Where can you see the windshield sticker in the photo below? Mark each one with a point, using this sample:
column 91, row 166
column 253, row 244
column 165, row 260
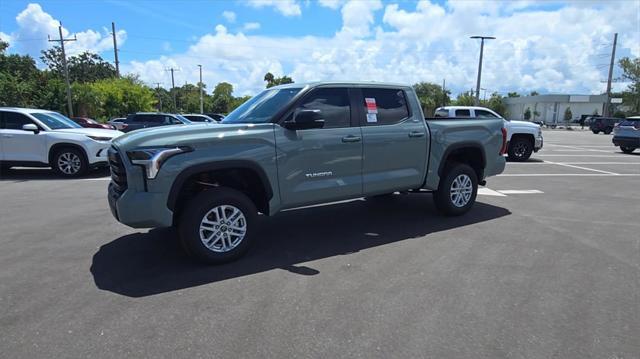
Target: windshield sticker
column 372, row 117
column 371, row 105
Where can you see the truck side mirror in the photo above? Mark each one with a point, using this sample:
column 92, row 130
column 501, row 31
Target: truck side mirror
column 31, row 127
column 305, row 119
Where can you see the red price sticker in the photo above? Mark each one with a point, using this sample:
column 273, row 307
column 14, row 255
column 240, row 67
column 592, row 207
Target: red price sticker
column 371, row 105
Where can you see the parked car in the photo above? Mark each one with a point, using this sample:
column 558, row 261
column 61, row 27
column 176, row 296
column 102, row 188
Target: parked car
column 603, row 124
column 627, row 134
column 152, row 119
column 297, row 145
column 40, row 138
column 118, row 123
column 90, row 123
column 216, row 116
column 523, row 138
column 196, row 117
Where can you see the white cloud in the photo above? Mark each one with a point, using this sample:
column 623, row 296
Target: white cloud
column 357, row 17
column 285, row 7
column 230, row 16
column 331, row 4
column 250, row 26
column 35, row 26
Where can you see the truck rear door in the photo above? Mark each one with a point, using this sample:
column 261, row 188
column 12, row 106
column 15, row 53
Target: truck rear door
column 395, row 141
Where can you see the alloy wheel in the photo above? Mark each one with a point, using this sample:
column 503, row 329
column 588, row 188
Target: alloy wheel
column 223, row 228
column 69, row 163
column 461, row 190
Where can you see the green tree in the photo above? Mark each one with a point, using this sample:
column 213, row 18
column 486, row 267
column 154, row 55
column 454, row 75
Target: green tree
column 534, row 93
column 275, row 81
column 431, row 96
column 222, row 98
column 513, row 94
column 496, row 104
column 85, row 67
column 237, row 101
column 527, row 114
column 567, row 116
column 465, row 99
column 631, row 73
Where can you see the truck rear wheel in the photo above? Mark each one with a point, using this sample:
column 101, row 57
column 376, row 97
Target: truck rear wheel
column 457, row 190
column 217, row 225
column 627, row 149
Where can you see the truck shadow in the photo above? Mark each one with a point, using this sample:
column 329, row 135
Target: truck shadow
column 46, row 174
column 143, row 264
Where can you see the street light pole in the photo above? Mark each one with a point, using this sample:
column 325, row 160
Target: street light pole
column 201, row 97
column 482, row 38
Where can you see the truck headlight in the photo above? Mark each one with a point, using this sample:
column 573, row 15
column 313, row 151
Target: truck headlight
column 99, row 138
column 153, row 158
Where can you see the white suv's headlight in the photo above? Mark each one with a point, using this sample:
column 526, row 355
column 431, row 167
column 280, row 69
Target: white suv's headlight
column 153, row 158
column 100, row 139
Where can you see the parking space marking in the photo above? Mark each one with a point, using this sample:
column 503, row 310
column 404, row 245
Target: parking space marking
column 568, row 175
column 580, row 148
column 520, row 191
column 580, row 167
column 571, row 155
column 484, row 191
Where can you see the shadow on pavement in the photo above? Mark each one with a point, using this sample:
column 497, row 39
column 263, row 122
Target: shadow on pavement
column 144, row 264
column 39, row 174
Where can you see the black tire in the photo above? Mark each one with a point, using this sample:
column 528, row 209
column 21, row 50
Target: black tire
column 69, row 155
column 595, row 132
column 520, row 149
column 442, row 197
column 608, row 131
column 199, row 207
column 627, row 149
column 4, row 169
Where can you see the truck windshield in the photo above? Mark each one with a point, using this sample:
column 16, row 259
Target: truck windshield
column 262, row 107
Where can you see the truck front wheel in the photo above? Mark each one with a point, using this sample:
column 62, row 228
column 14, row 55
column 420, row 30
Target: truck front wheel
column 520, row 149
column 217, row 225
column 457, row 190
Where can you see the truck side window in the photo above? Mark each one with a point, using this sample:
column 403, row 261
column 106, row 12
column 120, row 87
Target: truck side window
column 384, row 106
column 485, row 114
column 15, row 121
column 442, row 113
column 463, row 113
column 334, row 104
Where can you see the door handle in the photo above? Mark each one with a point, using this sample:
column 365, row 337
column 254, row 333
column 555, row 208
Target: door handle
column 351, row 138
column 416, row 134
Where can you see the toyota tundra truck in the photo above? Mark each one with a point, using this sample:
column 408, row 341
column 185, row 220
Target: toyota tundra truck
column 291, row 146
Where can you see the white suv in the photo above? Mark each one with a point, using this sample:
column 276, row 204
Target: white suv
column 523, row 138
column 40, row 138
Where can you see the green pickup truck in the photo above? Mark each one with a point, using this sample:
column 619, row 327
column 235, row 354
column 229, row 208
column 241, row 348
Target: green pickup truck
column 291, row 146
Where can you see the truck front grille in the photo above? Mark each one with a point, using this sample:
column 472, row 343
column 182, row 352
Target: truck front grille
column 118, row 173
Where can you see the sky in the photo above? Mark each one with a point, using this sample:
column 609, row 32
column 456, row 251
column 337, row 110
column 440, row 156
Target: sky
column 548, row 46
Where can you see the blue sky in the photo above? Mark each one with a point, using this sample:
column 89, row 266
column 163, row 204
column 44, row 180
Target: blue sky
column 548, row 46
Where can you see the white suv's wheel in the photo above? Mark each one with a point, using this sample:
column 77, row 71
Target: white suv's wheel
column 216, row 226
column 69, row 162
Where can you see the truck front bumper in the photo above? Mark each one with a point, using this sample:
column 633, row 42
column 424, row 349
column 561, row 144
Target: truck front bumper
column 632, row 142
column 539, row 142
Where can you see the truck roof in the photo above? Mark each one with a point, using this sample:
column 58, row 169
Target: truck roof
column 343, row 83
column 465, row 108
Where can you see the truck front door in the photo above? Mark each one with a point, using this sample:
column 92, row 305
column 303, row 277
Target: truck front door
column 322, row 164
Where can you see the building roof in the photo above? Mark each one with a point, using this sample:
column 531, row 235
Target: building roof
column 556, row 98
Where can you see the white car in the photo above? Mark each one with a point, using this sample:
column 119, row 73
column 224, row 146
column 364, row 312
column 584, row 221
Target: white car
column 40, row 138
column 523, row 138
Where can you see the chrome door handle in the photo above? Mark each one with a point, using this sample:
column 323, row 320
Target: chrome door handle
column 416, row 134
column 351, row 138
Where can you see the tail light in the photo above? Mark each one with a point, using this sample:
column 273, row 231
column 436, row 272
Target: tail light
column 503, row 148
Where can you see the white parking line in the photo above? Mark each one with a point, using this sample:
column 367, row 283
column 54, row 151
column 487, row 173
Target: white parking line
column 520, row 191
column 612, row 155
column 581, row 148
column 567, row 175
column 484, row 191
column 97, row 179
column 580, row 167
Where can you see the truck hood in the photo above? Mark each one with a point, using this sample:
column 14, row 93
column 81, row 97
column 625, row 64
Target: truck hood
column 192, row 135
column 524, row 124
column 97, row 132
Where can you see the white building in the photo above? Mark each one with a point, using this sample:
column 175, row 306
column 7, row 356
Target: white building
column 550, row 108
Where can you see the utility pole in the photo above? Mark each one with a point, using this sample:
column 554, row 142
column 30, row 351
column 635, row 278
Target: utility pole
column 173, row 87
column 201, row 97
column 607, row 105
column 159, row 97
column 444, row 93
column 482, row 38
column 115, row 48
column 62, row 40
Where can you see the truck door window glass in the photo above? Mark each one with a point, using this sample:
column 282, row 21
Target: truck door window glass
column 334, row 105
column 15, row 121
column 442, row 113
column 388, row 105
column 262, row 107
column 485, row 114
column 463, row 113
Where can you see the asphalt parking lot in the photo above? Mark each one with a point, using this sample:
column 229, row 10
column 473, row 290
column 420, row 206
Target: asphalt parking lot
column 547, row 265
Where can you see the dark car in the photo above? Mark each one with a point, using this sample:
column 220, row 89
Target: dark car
column 216, row 116
column 196, row 117
column 90, row 123
column 140, row 120
column 603, row 124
